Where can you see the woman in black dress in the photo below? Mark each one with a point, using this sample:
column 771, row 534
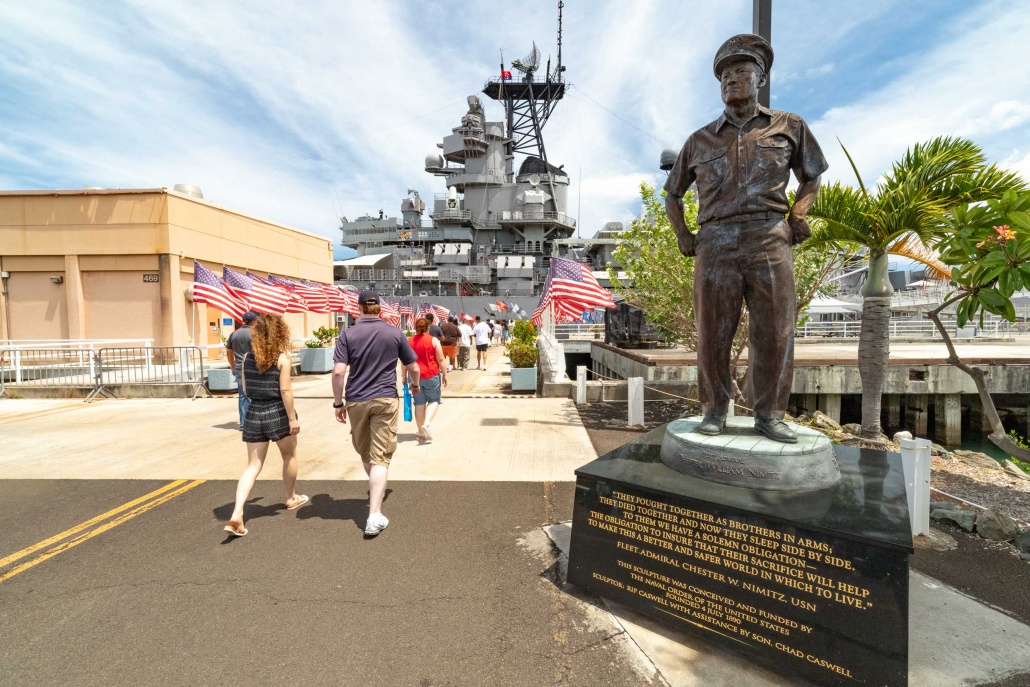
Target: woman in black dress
column 271, row 416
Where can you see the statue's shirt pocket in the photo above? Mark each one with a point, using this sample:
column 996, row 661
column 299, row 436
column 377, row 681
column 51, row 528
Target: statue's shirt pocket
column 712, row 165
column 773, row 153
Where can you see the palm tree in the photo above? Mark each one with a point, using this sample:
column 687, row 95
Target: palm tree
column 901, row 215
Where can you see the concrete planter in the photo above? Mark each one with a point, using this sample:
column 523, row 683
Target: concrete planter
column 316, row 359
column 523, row 378
column 221, row 379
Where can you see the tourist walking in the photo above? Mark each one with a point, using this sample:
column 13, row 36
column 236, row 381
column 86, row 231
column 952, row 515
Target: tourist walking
column 434, row 328
column 236, row 346
column 270, row 416
column 432, row 378
column 496, row 332
column 449, row 341
column 369, row 350
column 481, row 336
column 464, row 345
column 504, row 333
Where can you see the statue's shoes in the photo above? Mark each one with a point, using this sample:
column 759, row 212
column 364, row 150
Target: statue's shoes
column 776, row 429
column 712, row 424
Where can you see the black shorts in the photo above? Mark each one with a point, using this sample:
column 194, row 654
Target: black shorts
column 266, row 421
column 482, row 347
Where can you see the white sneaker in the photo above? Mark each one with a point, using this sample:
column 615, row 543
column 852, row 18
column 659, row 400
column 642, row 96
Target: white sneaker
column 427, row 432
column 375, row 524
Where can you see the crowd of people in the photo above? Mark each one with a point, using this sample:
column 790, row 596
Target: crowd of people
column 364, row 383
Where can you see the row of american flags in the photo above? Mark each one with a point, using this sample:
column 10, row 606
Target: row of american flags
column 234, row 293
column 571, row 293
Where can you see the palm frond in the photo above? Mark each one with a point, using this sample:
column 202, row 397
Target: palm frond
column 841, row 214
column 925, row 165
column 912, row 247
column 854, row 168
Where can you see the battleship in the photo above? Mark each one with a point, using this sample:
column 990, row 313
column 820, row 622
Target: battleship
column 492, row 234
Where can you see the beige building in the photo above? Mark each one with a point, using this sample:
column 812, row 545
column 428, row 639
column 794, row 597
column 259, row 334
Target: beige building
column 117, row 264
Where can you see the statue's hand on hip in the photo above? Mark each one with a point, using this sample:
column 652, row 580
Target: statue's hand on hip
column 799, row 229
column 686, row 243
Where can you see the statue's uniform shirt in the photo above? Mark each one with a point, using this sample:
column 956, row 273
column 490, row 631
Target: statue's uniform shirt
column 742, row 171
column 742, row 252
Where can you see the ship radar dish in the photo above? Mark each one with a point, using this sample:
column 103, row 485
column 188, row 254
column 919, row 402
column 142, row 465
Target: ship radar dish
column 530, row 63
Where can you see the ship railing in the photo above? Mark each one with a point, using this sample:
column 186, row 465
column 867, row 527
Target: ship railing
column 520, row 79
column 521, row 217
column 915, row 329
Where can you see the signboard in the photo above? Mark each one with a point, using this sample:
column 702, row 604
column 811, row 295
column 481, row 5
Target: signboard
column 151, row 278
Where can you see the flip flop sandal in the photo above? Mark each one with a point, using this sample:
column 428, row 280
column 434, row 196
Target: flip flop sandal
column 234, row 532
column 304, row 500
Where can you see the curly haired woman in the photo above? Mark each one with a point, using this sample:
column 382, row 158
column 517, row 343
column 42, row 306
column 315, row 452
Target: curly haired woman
column 271, row 416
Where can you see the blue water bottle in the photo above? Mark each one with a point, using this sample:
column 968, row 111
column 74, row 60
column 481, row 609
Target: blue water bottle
column 407, row 403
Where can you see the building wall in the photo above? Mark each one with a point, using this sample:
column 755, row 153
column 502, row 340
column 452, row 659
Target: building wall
column 125, row 261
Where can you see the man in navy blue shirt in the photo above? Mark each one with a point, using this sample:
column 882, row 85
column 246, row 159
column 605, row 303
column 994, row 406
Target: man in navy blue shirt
column 369, row 350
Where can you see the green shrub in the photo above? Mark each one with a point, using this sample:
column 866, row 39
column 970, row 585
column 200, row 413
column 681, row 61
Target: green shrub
column 322, row 337
column 522, row 355
column 523, row 332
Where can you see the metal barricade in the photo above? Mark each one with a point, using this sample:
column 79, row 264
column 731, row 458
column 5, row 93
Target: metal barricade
column 149, row 365
column 48, row 368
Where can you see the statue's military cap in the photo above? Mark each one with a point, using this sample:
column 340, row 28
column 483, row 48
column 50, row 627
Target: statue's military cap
column 748, row 45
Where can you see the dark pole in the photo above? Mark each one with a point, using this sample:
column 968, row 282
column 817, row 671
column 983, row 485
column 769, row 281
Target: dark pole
column 762, row 25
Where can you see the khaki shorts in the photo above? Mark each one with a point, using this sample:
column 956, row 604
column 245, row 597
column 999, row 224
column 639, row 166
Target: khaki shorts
column 373, row 429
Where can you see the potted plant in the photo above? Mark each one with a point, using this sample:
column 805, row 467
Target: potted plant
column 317, row 354
column 523, row 355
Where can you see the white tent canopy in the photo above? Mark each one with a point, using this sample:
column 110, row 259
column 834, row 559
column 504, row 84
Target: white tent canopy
column 826, row 306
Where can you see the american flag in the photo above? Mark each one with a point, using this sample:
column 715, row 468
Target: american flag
column 208, row 288
column 257, row 295
column 332, row 294
column 390, row 312
column 298, row 301
column 573, row 283
column 405, row 306
column 440, row 311
column 569, row 291
column 350, row 302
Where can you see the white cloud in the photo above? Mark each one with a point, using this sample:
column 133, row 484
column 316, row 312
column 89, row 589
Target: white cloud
column 300, row 116
column 955, row 89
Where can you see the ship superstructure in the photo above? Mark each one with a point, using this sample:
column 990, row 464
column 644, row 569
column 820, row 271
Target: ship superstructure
column 495, row 229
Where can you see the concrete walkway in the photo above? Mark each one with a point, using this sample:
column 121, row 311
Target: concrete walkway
column 480, row 434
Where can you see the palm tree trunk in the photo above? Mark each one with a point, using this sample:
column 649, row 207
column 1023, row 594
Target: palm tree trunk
column 874, row 342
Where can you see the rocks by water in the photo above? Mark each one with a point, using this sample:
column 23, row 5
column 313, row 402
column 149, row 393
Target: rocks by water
column 1014, row 469
column 852, row 428
column 977, row 459
column 963, row 517
column 995, row 526
column 1023, row 542
column 898, row 436
column 823, row 420
column 935, row 540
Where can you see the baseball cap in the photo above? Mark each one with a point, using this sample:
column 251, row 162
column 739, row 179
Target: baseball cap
column 368, row 298
column 250, row 316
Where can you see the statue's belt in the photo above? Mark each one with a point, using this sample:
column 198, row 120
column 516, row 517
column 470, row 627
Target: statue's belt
column 748, row 217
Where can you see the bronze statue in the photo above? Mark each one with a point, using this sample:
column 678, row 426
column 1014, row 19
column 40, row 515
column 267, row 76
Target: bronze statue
column 741, row 163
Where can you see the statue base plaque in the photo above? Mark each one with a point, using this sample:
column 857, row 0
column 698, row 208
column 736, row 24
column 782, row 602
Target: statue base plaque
column 741, row 457
column 811, row 584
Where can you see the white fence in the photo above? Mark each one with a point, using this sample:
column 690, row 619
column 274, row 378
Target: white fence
column 915, row 329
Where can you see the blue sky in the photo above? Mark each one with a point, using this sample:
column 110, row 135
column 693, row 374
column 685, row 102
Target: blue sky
column 302, row 112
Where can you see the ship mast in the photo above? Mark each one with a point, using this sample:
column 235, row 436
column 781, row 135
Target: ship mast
column 529, row 101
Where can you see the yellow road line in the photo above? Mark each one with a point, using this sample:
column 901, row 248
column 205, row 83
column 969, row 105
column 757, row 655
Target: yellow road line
column 89, row 523
column 60, row 548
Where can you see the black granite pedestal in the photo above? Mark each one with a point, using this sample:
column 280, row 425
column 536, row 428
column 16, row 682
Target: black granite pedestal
column 812, row 585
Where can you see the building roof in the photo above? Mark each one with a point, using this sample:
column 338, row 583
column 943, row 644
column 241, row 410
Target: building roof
column 361, row 261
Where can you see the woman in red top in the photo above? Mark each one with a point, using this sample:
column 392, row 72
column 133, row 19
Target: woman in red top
column 432, row 377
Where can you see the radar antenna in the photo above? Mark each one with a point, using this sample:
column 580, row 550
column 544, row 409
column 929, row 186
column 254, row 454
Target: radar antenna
column 530, row 64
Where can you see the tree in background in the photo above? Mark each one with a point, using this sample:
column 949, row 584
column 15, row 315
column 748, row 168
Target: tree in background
column 660, row 280
column 988, row 248
column 903, row 215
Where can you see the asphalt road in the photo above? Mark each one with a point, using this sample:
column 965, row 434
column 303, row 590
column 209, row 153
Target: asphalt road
column 457, row 591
